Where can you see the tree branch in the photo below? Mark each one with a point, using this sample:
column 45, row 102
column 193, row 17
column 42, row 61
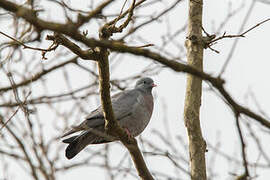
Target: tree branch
column 120, row 47
column 51, row 48
column 237, row 35
column 84, row 54
column 194, row 45
column 111, row 125
column 245, row 175
column 84, row 19
column 23, row 149
column 37, row 76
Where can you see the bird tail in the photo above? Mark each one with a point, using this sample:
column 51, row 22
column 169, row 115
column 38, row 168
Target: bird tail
column 73, row 130
column 78, row 143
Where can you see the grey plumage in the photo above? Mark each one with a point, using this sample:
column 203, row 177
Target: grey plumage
column 132, row 108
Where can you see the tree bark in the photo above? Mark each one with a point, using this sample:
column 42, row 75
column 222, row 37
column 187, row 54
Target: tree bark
column 194, row 45
column 111, row 124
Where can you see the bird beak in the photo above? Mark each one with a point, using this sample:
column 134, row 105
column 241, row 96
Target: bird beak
column 154, row 85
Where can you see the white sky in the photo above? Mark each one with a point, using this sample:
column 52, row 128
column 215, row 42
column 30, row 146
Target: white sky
column 248, row 69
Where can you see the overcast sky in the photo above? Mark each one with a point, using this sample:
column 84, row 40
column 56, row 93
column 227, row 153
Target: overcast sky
column 247, row 71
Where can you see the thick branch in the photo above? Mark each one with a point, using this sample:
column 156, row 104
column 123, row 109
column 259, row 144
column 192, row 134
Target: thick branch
column 176, row 66
column 84, row 54
column 70, row 30
column 91, row 42
column 197, row 146
column 31, row 16
column 179, row 67
column 112, row 125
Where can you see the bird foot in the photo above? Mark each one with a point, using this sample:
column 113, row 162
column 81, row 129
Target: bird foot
column 128, row 133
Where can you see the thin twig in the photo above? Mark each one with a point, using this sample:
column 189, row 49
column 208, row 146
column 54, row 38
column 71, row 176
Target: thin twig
column 110, row 28
column 236, row 40
column 51, row 48
column 143, row 46
column 238, row 35
column 37, row 76
column 5, row 124
column 153, row 19
column 243, row 148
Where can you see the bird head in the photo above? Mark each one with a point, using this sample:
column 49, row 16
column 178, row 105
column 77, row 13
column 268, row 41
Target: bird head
column 145, row 83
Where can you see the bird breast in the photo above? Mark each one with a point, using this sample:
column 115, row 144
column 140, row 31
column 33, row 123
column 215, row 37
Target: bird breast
column 142, row 114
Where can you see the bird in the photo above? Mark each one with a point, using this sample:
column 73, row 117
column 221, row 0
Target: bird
column 132, row 109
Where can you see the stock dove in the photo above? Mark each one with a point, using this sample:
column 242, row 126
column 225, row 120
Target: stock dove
column 132, row 108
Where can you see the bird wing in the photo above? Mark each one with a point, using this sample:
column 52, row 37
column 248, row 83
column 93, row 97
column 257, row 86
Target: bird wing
column 95, row 118
column 123, row 104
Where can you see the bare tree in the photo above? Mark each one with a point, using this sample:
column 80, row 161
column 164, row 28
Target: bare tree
column 41, row 93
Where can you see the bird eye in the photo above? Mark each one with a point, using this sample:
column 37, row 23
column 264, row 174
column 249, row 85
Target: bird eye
column 144, row 82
